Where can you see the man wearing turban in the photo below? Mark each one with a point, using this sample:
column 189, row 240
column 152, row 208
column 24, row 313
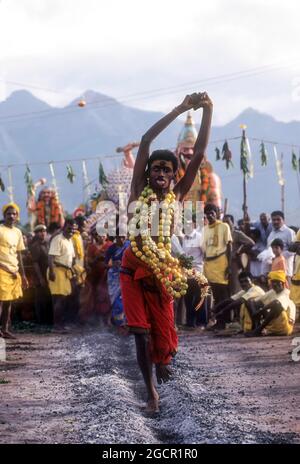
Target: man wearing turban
column 11, row 280
column 274, row 312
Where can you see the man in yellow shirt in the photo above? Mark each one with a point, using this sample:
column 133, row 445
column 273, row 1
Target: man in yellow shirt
column 274, row 312
column 217, row 247
column 295, row 281
column 61, row 272
column 11, row 281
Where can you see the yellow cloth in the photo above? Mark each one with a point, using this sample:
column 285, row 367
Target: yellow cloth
column 245, row 319
column 283, row 324
column 80, row 274
column 214, row 270
column 78, row 248
column 277, row 275
column 11, row 241
column 62, row 283
column 62, row 249
column 216, row 238
column 295, row 289
column 11, row 205
column 254, row 292
column 10, row 287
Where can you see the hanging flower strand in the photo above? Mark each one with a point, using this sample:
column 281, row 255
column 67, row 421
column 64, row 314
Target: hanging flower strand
column 2, row 186
column 227, row 155
column 70, row 174
column 263, row 154
column 294, row 161
column 157, row 256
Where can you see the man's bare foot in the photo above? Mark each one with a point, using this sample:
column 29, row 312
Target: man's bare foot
column 6, row 334
column 163, row 373
column 152, row 406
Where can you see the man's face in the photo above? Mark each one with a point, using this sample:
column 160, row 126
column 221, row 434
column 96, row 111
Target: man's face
column 277, row 285
column 277, row 222
column 69, row 230
column 186, row 153
column 161, row 174
column 245, row 283
column 46, row 194
column 211, row 216
column 10, row 216
column 41, row 235
column 264, row 219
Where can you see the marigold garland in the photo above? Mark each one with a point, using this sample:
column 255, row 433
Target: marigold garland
column 157, row 256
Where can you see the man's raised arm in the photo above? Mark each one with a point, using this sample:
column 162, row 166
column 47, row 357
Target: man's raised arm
column 138, row 180
column 186, row 182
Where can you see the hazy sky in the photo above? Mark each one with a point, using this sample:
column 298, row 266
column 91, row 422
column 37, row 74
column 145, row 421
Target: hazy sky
column 125, row 47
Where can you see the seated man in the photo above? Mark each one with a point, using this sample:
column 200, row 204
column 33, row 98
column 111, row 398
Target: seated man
column 237, row 303
column 274, row 312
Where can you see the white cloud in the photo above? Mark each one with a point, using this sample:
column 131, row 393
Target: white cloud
column 124, row 47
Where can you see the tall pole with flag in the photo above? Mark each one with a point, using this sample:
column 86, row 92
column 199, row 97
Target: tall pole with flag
column 245, row 169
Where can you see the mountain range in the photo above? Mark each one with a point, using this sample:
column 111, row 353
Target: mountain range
column 33, row 132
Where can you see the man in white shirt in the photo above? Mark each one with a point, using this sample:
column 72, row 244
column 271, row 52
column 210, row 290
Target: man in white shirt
column 191, row 246
column 287, row 235
column 61, row 261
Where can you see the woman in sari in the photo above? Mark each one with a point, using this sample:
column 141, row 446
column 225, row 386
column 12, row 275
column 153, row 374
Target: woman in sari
column 94, row 298
column 113, row 258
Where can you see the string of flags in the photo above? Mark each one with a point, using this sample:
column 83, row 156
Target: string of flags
column 224, row 153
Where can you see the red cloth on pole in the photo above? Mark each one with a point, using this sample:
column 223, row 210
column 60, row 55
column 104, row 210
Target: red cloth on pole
column 148, row 306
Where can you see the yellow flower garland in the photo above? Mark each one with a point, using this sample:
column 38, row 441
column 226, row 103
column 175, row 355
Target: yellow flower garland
column 158, row 255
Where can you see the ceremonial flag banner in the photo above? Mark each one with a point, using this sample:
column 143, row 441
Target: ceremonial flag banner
column 244, row 155
column 294, row 161
column 279, row 169
column 263, row 154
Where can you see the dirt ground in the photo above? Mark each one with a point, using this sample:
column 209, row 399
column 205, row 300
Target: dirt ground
column 84, row 387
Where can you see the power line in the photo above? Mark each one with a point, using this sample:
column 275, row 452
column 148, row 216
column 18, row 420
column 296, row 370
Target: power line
column 120, row 155
column 103, row 102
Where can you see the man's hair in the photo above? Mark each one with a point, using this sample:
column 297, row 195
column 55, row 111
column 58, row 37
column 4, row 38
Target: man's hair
column 80, row 220
column 53, row 226
column 69, row 222
column 210, row 207
column 229, row 216
column 277, row 213
column 245, row 275
column 166, row 155
column 277, row 242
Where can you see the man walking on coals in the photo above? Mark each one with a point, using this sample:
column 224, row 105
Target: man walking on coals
column 150, row 276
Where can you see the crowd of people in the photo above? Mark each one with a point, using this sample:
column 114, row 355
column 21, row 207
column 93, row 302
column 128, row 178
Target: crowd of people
column 64, row 275
column 58, row 276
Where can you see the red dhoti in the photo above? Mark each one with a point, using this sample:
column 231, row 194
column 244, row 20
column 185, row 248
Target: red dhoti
column 148, row 307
